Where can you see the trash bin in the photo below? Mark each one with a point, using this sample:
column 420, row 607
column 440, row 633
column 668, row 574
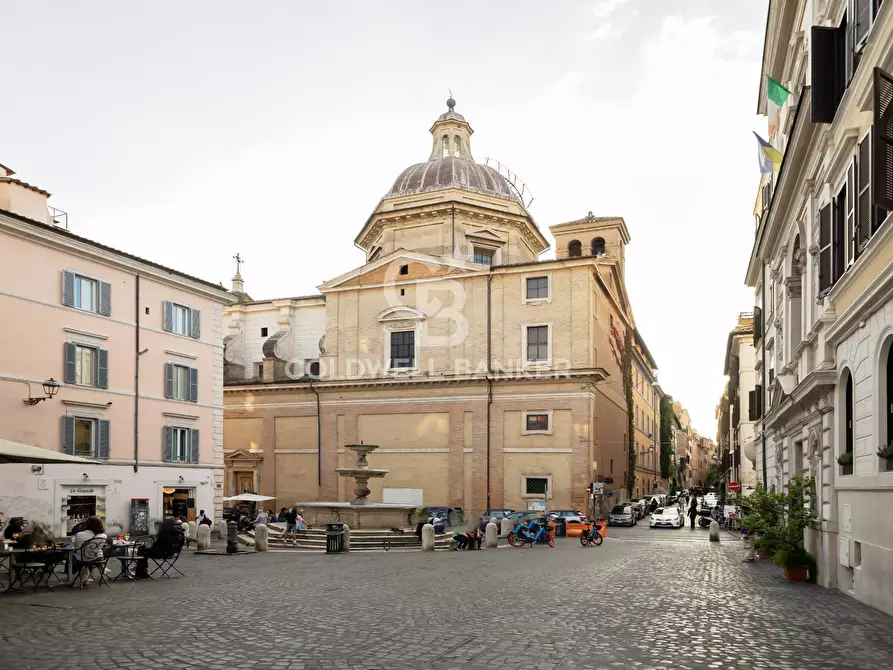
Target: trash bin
column 560, row 527
column 334, row 538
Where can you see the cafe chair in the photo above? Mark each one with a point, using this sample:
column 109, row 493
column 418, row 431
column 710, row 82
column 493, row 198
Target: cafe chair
column 164, row 560
column 35, row 567
column 91, row 558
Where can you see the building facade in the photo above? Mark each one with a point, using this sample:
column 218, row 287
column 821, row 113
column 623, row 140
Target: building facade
column 137, row 350
column 646, row 420
column 739, row 407
column 823, row 278
column 487, row 377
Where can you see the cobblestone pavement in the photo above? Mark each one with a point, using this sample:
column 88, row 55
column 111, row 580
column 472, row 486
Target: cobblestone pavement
column 644, row 599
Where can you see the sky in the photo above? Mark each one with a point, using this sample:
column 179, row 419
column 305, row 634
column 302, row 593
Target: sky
column 188, row 132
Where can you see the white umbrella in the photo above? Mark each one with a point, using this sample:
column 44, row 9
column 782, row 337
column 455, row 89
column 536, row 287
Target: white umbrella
column 249, row 497
column 15, row 452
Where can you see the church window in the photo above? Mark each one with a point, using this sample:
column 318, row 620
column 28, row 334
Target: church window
column 264, row 332
column 483, row 256
column 403, row 349
column 404, row 269
column 445, row 151
column 575, row 249
column 457, row 146
column 598, row 247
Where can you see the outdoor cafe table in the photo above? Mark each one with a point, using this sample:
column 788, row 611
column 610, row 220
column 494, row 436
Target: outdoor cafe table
column 9, row 555
column 128, row 556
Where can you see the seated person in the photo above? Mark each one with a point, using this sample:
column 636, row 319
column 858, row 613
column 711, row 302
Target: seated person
column 14, row 528
column 461, row 541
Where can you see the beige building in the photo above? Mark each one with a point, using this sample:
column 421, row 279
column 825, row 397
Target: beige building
column 485, row 375
column 136, row 349
column 646, row 421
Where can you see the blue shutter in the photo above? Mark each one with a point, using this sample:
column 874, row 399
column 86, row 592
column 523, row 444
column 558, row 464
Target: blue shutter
column 167, row 445
column 193, row 445
column 68, row 435
column 105, row 298
column 102, row 368
column 168, row 380
column 69, row 375
column 195, row 324
column 67, row 288
column 104, row 430
column 193, row 385
column 168, row 316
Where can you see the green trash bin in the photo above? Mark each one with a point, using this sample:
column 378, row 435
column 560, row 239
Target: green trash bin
column 334, row 538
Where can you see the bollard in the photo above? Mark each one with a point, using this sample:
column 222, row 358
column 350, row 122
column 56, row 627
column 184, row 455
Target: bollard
column 191, row 527
column 491, row 536
column 747, row 542
column 714, row 531
column 203, row 537
column 427, row 537
column 346, row 538
column 261, row 537
column 505, row 527
column 232, row 541
column 453, row 544
column 222, row 529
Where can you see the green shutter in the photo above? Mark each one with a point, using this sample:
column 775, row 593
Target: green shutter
column 68, row 435
column 70, row 371
column 104, row 430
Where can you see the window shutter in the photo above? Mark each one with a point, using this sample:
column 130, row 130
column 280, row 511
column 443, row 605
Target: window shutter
column 759, row 392
column 168, row 316
column 193, row 385
column 825, row 248
column 67, row 288
column 757, row 325
column 168, row 380
column 824, row 87
column 70, row 373
column 105, row 298
column 882, row 147
column 195, row 324
column 863, row 207
column 68, row 435
column 849, row 55
column 839, row 234
column 104, row 430
column 851, row 211
column 752, row 405
column 861, row 20
column 193, row 445
column 102, row 368
column 167, row 447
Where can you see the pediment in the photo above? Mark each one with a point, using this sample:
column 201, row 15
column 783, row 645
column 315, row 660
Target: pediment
column 485, row 234
column 243, row 455
column 401, row 313
column 386, row 270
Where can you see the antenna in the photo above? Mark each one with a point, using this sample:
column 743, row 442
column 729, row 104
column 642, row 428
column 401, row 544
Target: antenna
column 518, row 186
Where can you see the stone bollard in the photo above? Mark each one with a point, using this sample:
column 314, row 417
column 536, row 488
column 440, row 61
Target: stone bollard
column 491, row 536
column 714, row 531
column 346, row 538
column 261, row 537
column 191, row 528
column 427, row 537
column 453, row 544
column 203, row 537
column 222, row 529
column 505, row 527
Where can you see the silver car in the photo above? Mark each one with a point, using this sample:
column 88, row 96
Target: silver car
column 622, row 515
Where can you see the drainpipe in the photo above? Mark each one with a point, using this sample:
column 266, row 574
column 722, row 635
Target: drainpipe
column 489, row 380
column 318, row 440
column 763, row 372
column 136, row 385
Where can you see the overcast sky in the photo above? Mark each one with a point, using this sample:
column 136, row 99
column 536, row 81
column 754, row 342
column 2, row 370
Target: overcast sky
column 186, row 132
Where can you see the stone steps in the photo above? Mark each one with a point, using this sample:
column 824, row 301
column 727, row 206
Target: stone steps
column 314, row 540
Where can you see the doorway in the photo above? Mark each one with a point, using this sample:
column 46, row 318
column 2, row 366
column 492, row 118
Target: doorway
column 179, row 502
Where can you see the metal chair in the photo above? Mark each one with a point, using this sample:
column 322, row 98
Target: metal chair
column 35, row 567
column 137, row 554
column 91, row 557
column 164, row 561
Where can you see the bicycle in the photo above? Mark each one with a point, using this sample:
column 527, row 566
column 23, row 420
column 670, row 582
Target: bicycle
column 530, row 534
column 591, row 537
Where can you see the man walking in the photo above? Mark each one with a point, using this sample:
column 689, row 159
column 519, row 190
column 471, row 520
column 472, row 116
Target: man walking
column 693, row 512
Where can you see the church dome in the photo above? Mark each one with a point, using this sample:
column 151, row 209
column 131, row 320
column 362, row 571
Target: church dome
column 451, row 164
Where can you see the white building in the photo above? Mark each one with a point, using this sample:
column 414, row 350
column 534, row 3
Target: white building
column 821, row 268
column 742, row 404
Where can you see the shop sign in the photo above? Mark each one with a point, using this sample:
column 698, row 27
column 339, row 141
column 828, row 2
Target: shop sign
column 82, row 491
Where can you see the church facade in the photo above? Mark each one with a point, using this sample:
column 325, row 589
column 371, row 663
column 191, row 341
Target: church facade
column 487, row 377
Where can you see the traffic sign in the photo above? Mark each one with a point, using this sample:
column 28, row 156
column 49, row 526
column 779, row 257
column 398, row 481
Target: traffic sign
column 598, row 488
column 734, row 487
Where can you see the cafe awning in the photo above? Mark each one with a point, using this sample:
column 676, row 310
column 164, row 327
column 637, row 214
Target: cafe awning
column 16, row 452
column 249, row 497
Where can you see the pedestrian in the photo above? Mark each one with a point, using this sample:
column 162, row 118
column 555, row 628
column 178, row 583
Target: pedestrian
column 291, row 525
column 203, row 519
column 282, row 514
column 693, row 512
column 261, row 518
column 747, row 542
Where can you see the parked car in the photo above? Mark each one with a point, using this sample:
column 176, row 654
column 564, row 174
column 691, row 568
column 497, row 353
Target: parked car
column 452, row 517
column 568, row 515
column 491, row 513
column 667, row 517
column 622, row 515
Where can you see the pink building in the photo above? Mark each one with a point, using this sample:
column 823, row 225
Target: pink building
column 137, row 349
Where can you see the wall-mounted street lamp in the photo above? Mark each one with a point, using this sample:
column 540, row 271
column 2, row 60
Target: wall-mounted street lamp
column 50, row 388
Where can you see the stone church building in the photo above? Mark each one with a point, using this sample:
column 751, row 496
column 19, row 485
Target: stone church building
column 485, row 375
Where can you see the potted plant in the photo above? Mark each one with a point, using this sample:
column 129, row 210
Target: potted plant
column 797, row 563
column 797, row 515
column 845, row 460
column 766, row 546
column 886, row 454
column 762, row 512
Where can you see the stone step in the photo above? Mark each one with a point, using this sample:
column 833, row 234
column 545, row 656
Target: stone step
column 380, row 541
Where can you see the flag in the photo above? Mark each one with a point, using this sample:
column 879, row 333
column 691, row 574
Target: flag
column 776, row 95
column 769, row 156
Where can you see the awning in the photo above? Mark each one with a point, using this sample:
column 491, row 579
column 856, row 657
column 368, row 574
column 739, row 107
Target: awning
column 248, row 497
column 16, row 452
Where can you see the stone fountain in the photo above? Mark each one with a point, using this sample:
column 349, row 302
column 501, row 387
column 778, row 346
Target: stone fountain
column 360, row 513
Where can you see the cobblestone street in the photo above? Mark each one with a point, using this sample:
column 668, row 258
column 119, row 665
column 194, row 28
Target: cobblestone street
column 644, row 599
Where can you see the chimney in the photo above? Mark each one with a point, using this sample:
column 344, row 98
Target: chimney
column 22, row 198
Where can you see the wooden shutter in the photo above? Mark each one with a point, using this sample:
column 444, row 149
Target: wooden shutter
column 193, row 385
column 851, row 212
column 68, row 435
column 67, row 288
column 105, row 298
column 70, row 372
column 168, row 380
column 825, row 248
column 195, row 324
column 861, row 20
column 168, row 319
column 104, row 430
column 882, row 146
column 757, row 325
column 102, row 368
column 751, row 405
column 849, row 56
column 824, row 87
column 193, row 445
column 863, row 207
column 839, row 235
column 167, row 444
column 759, row 392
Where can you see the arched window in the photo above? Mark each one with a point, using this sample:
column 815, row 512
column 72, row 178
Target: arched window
column 457, row 146
column 885, row 391
column 575, row 249
column 598, row 247
column 848, row 422
column 445, row 152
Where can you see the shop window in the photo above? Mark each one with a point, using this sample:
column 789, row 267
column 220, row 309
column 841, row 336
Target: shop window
column 575, row 249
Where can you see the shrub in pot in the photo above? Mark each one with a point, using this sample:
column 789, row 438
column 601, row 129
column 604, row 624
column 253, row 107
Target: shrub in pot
column 886, row 453
column 766, row 546
column 845, row 460
column 798, row 564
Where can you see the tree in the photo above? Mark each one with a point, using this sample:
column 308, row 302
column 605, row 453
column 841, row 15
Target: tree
column 622, row 348
column 712, row 478
column 666, row 435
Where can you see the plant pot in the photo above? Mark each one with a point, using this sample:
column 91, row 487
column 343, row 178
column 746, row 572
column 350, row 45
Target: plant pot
column 846, row 469
column 888, row 464
column 796, row 573
column 765, row 553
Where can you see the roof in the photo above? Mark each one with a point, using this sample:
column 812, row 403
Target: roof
column 25, row 184
column 641, row 342
column 77, row 238
column 294, row 297
column 451, row 172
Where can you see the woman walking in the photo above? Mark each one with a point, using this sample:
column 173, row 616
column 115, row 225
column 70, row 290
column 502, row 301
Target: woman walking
column 693, row 512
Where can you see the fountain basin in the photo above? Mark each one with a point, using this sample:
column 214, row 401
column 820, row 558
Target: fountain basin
column 373, row 516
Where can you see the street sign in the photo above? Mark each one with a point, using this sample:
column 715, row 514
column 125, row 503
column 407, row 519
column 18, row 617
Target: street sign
column 598, row 488
column 734, row 487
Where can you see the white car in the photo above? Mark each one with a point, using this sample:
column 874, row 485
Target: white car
column 667, row 517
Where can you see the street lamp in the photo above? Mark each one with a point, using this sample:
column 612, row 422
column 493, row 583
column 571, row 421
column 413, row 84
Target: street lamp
column 50, row 389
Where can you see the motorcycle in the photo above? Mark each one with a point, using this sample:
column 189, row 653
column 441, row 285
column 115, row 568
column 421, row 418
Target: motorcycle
column 531, row 533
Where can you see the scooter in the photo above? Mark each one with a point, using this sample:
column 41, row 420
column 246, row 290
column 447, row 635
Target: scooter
column 531, row 533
